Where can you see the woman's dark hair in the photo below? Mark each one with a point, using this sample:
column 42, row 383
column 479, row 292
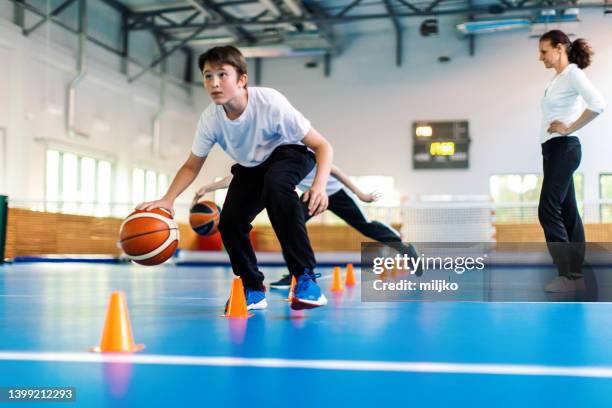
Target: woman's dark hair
column 579, row 51
column 224, row 55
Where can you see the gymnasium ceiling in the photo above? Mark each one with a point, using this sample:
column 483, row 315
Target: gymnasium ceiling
column 272, row 28
column 305, row 25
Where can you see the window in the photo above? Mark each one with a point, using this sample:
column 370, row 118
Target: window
column 53, row 180
column 219, row 195
column 104, row 188
column 384, row 185
column 77, row 184
column 148, row 185
column 516, row 196
column 3, row 161
column 605, row 194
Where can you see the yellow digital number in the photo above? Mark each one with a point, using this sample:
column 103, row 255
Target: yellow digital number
column 442, row 149
column 424, row 131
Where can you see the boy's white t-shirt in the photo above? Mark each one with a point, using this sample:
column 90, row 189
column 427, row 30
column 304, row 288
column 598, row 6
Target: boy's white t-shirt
column 333, row 184
column 268, row 121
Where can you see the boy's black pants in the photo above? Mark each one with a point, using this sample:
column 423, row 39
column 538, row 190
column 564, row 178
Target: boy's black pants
column 269, row 185
column 345, row 207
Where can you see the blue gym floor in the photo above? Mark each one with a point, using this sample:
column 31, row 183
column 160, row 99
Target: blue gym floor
column 349, row 353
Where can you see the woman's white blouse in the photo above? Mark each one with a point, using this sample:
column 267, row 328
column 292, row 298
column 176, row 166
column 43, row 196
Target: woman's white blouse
column 565, row 99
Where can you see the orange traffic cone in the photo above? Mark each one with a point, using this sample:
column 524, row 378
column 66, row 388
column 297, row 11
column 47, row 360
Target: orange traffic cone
column 236, row 305
column 291, row 289
column 349, row 280
column 117, row 334
column 336, row 281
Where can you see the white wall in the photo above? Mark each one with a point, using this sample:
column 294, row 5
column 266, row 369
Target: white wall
column 34, row 73
column 367, row 107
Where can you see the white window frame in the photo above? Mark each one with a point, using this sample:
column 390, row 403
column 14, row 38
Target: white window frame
column 158, row 189
column 94, row 207
column 3, row 162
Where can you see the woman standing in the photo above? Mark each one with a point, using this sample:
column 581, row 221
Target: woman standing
column 563, row 114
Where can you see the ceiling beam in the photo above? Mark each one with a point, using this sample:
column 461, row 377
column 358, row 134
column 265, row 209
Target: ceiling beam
column 117, row 5
column 347, row 8
column 397, row 28
column 53, row 13
column 329, row 19
column 315, row 10
column 410, row 6
column 166, row 54
column 433, row 5
column 212, row 8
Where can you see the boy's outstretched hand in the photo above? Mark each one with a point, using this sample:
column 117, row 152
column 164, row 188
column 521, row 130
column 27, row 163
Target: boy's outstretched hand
column 369, row 197
column 165, row 204
column 317, row 200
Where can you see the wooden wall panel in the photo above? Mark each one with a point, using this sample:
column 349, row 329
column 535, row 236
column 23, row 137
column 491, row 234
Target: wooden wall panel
column 38, row 233
column 519, row 233
column 324, row 238
column 534, row 233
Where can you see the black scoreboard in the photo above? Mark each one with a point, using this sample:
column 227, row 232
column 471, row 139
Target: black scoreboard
column 440, row 145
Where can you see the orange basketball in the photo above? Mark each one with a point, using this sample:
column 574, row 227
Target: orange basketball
column 204, row 217
column 149, row 237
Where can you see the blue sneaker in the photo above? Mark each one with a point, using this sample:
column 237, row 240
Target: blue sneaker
column 307, row 293
column 255, row 299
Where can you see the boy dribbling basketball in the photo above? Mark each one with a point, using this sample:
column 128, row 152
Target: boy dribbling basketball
column 270, row 141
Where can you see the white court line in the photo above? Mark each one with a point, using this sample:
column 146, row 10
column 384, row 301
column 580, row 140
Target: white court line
column 20, row 296
column 42, row 296
column 341, row 365
column 189, row 298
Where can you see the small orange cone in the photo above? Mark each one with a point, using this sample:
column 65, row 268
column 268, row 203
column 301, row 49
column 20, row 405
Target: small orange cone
column 349, row 280
column 236, row 305
column 336, row 281
column 291, row 289
column 117, row 334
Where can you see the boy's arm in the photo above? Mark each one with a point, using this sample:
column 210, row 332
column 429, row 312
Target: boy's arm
column 184, row 177
column 209, row 188
column 316, row 195
column 344, row 179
